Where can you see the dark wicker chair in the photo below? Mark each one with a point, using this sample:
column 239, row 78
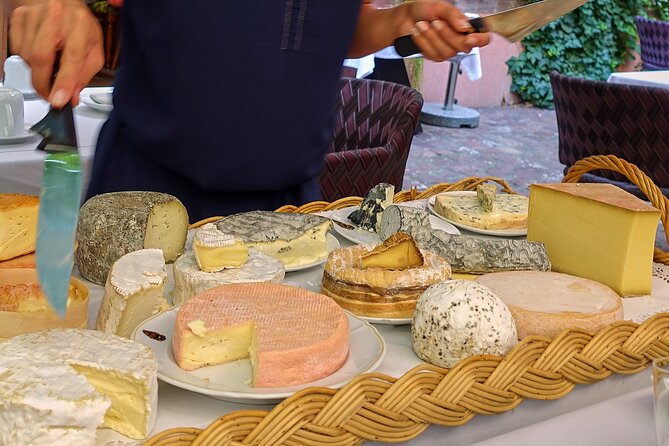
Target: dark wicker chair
column 599, row 118
column 374, row 128
column 654, row 43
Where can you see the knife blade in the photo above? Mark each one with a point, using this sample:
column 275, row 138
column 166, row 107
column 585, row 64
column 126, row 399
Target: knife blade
column 59, row 205
column 513, row 24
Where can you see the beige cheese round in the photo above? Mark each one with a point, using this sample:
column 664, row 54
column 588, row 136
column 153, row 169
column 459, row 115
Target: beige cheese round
column 378, row 292
column 547, row 303
column 509, row 211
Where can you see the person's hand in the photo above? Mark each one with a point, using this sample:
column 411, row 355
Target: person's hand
column 438, row 29
column 38, row 32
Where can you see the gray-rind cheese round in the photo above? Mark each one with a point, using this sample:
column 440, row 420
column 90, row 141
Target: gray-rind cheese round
column 457, row 319
column 114, row 224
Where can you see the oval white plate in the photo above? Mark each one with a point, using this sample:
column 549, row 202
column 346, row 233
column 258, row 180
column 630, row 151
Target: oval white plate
column 85, row 98
column 230, row 381
column 387, row 320
column 498, row 232
column 332, row 244
column 362, row 237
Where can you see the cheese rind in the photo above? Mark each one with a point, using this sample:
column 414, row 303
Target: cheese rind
column 133, row 292
column 292, row 238
column 216, row 250
column 18, row 224
column 596, row 231
column 547, row 303
column 121, row 371
column 260, row 319
column 189, row 280
column 457, row 319
column 509, row 211
column 114, row 224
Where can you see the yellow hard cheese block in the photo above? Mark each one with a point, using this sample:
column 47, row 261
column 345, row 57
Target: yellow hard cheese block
column 399, row 251
column 596, row 231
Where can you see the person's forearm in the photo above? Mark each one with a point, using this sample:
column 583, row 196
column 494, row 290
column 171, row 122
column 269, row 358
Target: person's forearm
column 378, row 28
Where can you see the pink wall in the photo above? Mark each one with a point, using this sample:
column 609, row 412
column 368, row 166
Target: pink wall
column 491, row 89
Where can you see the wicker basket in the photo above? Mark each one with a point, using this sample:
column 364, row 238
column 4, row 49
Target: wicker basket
column 386, row 409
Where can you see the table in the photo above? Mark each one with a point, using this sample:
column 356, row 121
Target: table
column 21, row 165
column 643, row 78
column 554, row 422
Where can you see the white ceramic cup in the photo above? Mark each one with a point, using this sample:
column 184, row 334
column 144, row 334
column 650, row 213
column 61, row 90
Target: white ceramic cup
column 18, row 74
column 11, row 113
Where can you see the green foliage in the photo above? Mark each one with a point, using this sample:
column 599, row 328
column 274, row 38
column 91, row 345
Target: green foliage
column 658, row 9
column 589, row 42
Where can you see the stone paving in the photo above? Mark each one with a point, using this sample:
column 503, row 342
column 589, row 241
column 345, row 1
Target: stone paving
column 516, row 143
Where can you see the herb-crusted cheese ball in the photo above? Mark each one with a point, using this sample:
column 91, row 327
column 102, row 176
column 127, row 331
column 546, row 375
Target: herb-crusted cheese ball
column 457, row 319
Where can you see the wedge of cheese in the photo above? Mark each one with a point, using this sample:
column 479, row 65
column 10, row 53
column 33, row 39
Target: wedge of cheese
column 18, row 224
column 508, row 211
column 596, row 231
column 368, row 215
column 399, row 251
column 133, row 292
column 292, row 238
column 546, row 303
column 114, row 224
column 215, row 250
column 260, row 321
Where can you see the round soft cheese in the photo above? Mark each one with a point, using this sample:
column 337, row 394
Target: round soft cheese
column 547, row 303
column 457, row 319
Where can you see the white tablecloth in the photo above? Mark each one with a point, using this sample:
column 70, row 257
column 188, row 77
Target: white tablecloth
column 21, row 165
column 531, row 423
column 643, row 78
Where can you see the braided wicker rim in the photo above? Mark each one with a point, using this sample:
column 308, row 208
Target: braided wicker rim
column 378, row 407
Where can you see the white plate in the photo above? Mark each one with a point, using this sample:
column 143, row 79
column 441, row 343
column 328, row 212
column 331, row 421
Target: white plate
column 18, row 138
column 85, row 98
column 333, row 244
column 230, row 381
column 498, row 232
column 386, row 320
column 363, row 237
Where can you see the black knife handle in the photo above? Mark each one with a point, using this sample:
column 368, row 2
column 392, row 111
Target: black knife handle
column 406, row 47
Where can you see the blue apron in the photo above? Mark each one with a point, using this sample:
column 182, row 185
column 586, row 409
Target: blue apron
column 227, row 106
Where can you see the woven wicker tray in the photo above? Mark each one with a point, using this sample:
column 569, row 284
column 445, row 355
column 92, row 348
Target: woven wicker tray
column 387, row 409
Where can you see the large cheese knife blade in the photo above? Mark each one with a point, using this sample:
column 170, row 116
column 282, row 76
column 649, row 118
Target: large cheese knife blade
column 513, row 24
column 59, row 205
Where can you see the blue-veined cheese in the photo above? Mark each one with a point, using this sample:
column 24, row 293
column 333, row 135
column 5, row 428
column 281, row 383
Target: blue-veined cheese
column 368, row 215
column 486, row 195
column 509, row 211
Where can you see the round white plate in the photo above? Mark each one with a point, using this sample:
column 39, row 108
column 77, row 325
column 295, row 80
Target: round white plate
column 363, row 237
column 498, row 232
column 333, row 244
column 85, row 98
column 387, row 320
column 230, row 381
column 18, row 138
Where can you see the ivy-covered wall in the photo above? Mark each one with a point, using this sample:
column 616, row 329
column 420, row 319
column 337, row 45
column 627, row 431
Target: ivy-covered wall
column 590, row 42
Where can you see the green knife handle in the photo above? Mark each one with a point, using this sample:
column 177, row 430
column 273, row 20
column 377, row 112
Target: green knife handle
column 406, row 47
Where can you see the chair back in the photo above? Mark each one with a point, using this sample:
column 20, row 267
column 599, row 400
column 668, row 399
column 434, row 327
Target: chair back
column 654, row 43
column 600, row 118
column 374, row 127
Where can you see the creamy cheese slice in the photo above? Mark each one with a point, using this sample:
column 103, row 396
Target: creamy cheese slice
column 215, row 250
column 133, row 292
column 18, row 224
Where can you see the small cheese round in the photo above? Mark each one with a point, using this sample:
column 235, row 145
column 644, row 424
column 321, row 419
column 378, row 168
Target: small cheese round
column 457, row 319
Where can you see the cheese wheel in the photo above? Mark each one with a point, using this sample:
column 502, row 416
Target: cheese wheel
column 291, row 335
column 547, row 303
column 457, row 319
column 114, row 224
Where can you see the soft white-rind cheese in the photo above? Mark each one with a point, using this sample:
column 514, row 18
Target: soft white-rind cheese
column 189, row 280
column 457, row 319
column 133, row 293
column 121, row 371
column 215, row 250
